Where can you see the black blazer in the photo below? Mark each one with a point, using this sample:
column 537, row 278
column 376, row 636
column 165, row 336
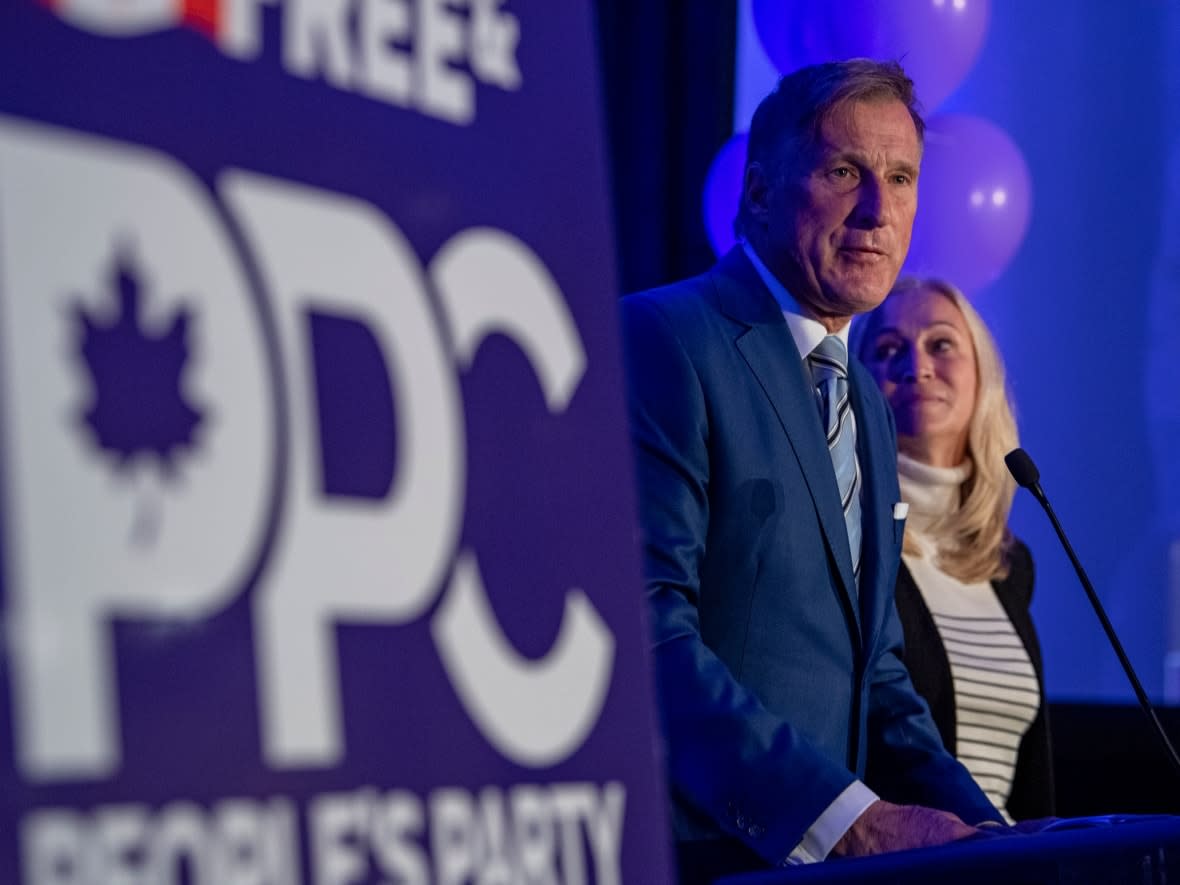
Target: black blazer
column 925, row 656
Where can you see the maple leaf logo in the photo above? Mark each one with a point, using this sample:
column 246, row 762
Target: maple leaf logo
column 138, row 405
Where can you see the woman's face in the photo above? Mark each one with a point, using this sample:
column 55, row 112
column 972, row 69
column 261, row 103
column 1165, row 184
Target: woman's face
column 922, row 357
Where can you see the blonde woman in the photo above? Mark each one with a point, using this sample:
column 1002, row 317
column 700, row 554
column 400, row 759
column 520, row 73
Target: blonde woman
column 965, row 583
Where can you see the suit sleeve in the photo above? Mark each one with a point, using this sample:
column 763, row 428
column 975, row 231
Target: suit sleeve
column 745, row 768
column 907, row 761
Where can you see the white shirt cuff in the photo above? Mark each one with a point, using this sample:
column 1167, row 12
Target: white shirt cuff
column 835, row 821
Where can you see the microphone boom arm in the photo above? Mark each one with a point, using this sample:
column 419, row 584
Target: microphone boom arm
column 1025, row 473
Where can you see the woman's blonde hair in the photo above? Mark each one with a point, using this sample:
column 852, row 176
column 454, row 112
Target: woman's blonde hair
column 974, row 540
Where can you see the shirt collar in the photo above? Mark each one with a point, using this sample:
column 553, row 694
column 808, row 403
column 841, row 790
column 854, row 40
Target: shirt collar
column 806, row 332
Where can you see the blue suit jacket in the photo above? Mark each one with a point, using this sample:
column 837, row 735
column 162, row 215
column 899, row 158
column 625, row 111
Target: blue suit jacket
column 778, row 682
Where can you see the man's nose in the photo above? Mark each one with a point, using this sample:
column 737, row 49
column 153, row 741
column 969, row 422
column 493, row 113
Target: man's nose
column 873, row 206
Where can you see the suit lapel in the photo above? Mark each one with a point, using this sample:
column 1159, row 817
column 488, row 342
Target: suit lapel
column 875, row 450
column 769, row 350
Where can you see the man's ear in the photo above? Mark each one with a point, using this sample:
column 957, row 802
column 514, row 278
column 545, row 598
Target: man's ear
column 756, row 191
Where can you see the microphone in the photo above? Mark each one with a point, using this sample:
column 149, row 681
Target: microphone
column 1025, row 472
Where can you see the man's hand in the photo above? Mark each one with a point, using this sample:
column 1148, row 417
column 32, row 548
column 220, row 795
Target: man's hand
column 887, row 827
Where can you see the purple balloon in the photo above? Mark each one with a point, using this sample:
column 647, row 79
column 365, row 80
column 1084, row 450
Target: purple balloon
column 723, row 188
column 937, row 41
column 974, row 202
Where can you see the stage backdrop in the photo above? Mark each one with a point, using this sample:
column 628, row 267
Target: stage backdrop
column 318, row 548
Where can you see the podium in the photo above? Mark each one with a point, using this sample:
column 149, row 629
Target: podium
column 1104, row 851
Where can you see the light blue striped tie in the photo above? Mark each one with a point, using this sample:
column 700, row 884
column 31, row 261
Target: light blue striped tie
column 829, row 371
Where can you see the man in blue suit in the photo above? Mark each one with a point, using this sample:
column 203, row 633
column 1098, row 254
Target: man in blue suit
column 771, row 547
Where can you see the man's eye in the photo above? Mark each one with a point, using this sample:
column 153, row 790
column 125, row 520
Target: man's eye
column 885, row 351
column 842, row 172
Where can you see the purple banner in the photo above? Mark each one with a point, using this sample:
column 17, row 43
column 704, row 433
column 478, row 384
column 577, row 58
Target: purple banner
column 317, row 537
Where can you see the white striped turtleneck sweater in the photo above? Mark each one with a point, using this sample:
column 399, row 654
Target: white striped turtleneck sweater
column 996, row 693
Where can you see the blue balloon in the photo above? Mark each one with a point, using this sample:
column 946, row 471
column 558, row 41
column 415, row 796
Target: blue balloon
column 723, row 190
column 937, row 41
column 974, row 202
